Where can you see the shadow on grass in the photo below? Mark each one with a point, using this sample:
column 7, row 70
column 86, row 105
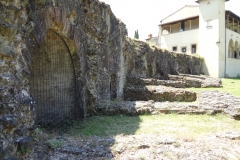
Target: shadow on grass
column 107, row 126
column 101, row 131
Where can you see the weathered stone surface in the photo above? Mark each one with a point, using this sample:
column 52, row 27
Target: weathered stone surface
column 7, row 121
column 158, row 94
column 12, row 158
column 177, row 81
column 125, row 107
column 208, row 102
column 24, row 143
column 170, row 83
column 196, row 80
column 101, row 53
column 142, row 60
column 136, row 81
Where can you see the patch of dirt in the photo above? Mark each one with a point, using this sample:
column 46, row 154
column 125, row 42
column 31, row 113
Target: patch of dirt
column 222, row 146
column 217, row 146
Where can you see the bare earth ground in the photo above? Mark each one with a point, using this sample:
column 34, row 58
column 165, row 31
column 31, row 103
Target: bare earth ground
column 192, row 137
column 226, row 146
column 157, row 140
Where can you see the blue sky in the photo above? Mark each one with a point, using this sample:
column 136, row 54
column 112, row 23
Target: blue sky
column 145, row 15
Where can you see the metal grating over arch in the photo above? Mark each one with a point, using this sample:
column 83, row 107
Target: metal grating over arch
column 53, row 83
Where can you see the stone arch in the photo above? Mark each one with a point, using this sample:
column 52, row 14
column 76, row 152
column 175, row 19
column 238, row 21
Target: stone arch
column 230, row 48
column 236, row 49
column 53, row 82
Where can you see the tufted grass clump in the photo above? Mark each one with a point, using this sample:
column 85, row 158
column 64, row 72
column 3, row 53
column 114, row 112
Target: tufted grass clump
column 55, row 143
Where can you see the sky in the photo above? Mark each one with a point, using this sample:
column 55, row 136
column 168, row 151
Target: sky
column 145, row 15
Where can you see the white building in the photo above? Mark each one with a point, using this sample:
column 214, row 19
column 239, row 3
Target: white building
column 208, row 30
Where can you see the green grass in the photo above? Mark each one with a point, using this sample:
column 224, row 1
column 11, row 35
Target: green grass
column 55, row 143
column 107, row 126
column 171, row 124
column 230, row 85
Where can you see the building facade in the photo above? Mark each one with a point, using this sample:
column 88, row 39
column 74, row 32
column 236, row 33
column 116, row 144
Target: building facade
column 206, row 29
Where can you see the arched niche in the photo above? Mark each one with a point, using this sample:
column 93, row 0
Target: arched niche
column 53, row 82
column 230, row 48
column 236, row 49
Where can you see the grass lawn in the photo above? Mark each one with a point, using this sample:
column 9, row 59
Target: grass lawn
column 230, row 85
column 164, row 124
column 170, row 124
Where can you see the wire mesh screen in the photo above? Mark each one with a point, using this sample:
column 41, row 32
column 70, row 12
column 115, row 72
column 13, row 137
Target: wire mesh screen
column 53, row 84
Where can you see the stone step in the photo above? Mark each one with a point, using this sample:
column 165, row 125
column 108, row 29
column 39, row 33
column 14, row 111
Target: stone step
column 197, row 81
column 178, row 81
column 153, row 108
column 132, row 81
column 158, row 94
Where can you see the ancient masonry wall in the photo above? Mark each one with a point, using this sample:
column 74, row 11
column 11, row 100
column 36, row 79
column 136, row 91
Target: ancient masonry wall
column 148, row 61
column 102, row 56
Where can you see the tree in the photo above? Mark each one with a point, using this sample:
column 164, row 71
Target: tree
column 136, row 35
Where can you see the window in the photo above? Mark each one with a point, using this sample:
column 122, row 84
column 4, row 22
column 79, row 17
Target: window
column 194, row 48
column 235, row 54
column 184, row 49
column 166, row 30
column 174, row 49
column 209, row 23
column 182, row 26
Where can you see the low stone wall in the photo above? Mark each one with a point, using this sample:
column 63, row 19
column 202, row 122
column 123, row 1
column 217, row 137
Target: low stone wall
column 158, row 94
column 177, row 81
column 208, row 102
column 147, row 61
column 197, row 81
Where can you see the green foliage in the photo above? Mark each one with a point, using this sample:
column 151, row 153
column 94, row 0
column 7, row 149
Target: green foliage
column 172, row 124
column 55, row 143
column 110, row 126
column 24, row 150
column 136, row 35
column 70, row 122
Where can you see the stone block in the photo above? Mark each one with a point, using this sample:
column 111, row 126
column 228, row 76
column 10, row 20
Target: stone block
column 158, row 94
column 8, row 121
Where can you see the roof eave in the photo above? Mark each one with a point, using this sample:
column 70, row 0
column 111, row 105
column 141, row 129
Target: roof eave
column 177, row 11
column 233, row 14
column 199, row 0
column 179, row 20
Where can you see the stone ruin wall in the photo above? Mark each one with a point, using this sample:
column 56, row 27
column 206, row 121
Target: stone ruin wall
column 148, row 61
column 102, row 55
